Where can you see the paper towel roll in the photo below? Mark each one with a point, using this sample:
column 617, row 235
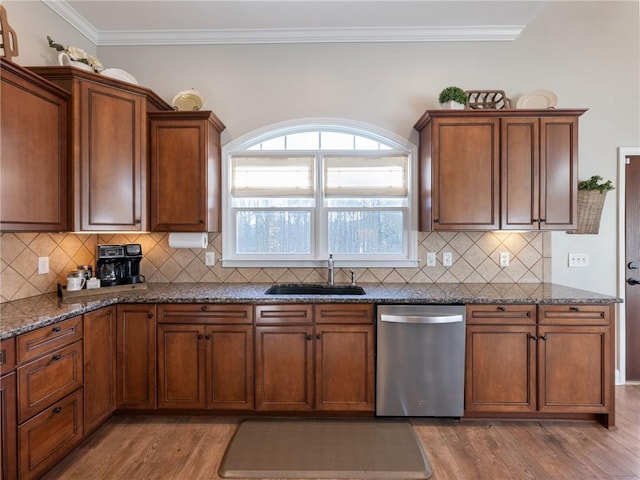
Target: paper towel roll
column 188, row 240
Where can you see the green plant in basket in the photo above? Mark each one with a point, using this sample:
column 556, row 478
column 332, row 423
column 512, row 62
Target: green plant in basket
column 596, row 183
column 453, row 94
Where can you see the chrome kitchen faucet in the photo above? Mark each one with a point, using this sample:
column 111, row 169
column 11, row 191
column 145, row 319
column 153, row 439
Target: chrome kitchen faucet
column 330, row 270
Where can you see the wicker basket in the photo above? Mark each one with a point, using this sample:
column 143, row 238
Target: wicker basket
column 590, row 203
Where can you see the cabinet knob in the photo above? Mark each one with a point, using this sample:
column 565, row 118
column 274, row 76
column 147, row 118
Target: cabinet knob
column 208, row 337
column 309, row 337
column 574, row 309
column 55, row 358
column 150, row 316
column 501, row 309
column 137, row 221
column 200, row 221
column 318, row 336
column 533, row 337
column 56, row 329
column 203, row 308
column 543, row 337
column 57, row 410
column 200, row 336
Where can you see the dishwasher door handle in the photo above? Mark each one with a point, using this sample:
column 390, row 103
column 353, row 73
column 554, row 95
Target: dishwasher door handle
column 428, row 319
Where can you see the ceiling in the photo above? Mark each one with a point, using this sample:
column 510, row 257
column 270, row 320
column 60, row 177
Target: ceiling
column 177, row 22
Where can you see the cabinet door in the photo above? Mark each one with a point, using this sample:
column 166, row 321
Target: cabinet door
column 8, row 428
column 33, row 153
column 112, row 166
column 500, row 373
column 574, row 365
column 520, row 173
column 466, row 162
column 99, row 366
column 558, row 172
column 344, row 377
column 229, row 366
column 136, row 356
column 284, row 367
column 185, row 172
column 181, row 366
column 50, row 435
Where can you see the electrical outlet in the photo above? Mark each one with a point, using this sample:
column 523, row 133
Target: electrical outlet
column 431, row 259
column 209, row 259
column 504, row 259
column 578, row 259
column 447, row 259
column 43, row 265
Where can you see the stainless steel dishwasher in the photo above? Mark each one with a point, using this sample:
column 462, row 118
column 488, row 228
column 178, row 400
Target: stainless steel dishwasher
column 420, row 360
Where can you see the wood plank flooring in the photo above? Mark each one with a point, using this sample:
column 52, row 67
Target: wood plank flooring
column 191, row 448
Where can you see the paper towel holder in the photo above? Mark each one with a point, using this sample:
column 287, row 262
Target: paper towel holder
column 188, row 240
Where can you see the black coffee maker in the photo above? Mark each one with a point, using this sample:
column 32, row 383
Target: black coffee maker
column 119, row 264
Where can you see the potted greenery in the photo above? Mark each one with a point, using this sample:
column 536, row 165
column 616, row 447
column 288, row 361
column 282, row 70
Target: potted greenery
column 453, row 98
column 591, row 197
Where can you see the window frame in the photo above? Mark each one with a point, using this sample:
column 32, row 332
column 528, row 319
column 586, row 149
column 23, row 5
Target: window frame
column 319, row 226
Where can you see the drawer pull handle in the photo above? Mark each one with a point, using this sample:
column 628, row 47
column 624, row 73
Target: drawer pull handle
column 55, row 358
column 57, row 410
column 574, row 309
column 56, row 329
column 501, row 309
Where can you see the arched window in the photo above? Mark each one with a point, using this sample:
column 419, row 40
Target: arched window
column 296, row 192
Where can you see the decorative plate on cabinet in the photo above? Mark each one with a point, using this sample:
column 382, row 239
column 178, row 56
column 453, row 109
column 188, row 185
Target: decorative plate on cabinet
column 538, row 99
column 188, row 100
column 119, row 75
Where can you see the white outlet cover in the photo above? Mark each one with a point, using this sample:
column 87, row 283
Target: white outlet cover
column 43, row 265
column 431, row 259
column 504, row 259
column 447, row 259
column 209, row 259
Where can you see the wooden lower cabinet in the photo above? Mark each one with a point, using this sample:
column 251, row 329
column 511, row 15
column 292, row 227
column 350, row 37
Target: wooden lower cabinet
column 284, row 367
column 136, row 356
column 8, row 427
column 99, row 366
column 50, row 435
column 559, row 361
column 324, row 362
column 205, row 357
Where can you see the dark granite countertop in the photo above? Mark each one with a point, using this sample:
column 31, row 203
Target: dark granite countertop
column 30, row 313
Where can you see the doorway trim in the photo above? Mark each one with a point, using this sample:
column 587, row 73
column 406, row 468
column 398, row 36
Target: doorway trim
column 621, row 373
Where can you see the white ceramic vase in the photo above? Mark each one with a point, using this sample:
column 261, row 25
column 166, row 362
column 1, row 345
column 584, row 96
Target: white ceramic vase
column 451, row 105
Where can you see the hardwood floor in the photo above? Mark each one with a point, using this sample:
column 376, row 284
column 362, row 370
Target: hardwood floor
column 191, row 447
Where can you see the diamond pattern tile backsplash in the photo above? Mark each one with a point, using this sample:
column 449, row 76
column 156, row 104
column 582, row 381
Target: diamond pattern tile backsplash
column 476, row 259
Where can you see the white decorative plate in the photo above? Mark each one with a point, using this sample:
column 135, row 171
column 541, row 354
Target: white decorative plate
column 188, row 100
column 538, row 99
column 119, row 75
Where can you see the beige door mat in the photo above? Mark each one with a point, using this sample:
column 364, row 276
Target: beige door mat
column 303, row 448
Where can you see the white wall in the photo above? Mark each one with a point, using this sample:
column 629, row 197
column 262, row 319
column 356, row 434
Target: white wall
column 586, row 52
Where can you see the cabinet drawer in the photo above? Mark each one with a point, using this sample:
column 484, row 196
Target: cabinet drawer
column 205, row 313
column 506, row 314
column 49, row 436
column 344, row 313
column 574, row 314
column 284, row 314
column 38, row 342
column 48, row 379
column 7, row 355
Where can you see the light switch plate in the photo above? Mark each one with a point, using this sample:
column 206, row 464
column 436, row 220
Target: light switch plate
column 447, row 259
column 431, row 259
column 578, row 259
column 209, row 259
column 43, row 265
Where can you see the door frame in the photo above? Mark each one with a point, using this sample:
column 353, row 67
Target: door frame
column 621, row 373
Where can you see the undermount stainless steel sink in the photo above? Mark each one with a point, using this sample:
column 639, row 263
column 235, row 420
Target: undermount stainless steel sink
column 314, row 289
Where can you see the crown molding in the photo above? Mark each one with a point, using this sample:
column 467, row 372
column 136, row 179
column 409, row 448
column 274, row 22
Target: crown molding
column 471, row 33
column 311, row 35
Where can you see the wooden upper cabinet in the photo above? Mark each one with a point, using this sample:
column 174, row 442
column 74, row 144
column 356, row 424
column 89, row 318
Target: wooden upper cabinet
column 109, row 149
column 185, row 171
column 539, row 158
column 498, row 169
column 33, row 152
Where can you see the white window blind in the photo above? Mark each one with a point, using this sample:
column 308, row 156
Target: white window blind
column 349, row 176
column 253, row 176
